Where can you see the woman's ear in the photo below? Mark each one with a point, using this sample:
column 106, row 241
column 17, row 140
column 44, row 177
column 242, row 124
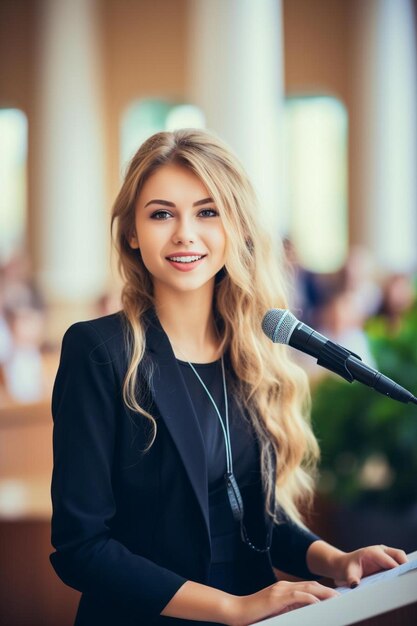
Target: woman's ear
column 133, row 241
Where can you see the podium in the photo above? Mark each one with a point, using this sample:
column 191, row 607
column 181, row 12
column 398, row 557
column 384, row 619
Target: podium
column 385, row 603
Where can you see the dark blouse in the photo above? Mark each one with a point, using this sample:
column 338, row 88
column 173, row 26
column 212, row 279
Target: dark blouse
column 228, row 549
column 244, row 448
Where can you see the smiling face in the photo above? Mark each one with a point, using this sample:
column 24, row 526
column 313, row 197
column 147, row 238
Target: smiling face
column 179, row 231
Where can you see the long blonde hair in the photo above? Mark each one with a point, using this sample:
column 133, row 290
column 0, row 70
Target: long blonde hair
column 272, row 389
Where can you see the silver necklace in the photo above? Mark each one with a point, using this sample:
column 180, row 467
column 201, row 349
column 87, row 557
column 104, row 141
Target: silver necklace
column 233, row 491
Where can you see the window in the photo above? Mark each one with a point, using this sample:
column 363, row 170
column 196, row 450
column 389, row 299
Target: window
column 13, row 163
column 146, row 117
column 316, row 172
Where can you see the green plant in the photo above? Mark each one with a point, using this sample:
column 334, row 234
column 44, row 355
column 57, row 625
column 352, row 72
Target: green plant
column 368, row 441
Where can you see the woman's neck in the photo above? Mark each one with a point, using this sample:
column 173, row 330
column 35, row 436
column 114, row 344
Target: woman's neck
column 188, row 320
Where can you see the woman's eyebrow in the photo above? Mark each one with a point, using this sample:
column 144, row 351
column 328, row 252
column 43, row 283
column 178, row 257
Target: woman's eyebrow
column 168, row 203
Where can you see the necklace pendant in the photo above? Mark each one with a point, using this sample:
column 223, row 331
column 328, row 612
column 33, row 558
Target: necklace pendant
column 235, row 497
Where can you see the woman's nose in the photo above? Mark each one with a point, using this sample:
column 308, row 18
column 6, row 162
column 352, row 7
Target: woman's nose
column 184, row 232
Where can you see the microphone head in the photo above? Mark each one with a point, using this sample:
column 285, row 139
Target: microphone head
column 278, row 325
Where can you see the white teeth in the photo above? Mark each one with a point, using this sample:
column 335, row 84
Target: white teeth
column 184, row 259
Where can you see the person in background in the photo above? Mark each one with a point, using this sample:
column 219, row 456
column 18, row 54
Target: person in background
column 6, row 341
column 358, row 277
column 341, row 319
column 22, row 327
column 108, row 303
column 23, row 369
column 398, row 296
column 306, row 291
column 183, row 452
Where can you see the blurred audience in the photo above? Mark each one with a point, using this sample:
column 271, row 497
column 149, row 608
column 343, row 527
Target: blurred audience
column 358, row 276
column 307, row 289
column 6, row 340
column 342, row 320
column 398, row 296
column 17, row 285
column 353, row 298
column 337, row 305
column 27, row 361
column 22, row 326
column 23, row 371
column 108, row 303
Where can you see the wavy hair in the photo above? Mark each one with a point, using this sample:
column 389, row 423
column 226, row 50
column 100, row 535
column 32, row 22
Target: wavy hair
column 272, row 389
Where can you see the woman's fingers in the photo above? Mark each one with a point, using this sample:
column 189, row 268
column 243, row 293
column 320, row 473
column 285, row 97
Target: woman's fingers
column 296, row 600
column 384, row 558
column 290, row 596
column 278, row 598
column 313, row 588
column 366, row 561
column 320, row 591
column 398, row 555
column 353, row 574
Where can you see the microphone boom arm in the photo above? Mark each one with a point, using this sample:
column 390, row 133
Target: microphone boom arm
column 281, row 326
column 328, row 354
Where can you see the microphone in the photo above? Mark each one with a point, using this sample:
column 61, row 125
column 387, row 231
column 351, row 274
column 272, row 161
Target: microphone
column 281, row 326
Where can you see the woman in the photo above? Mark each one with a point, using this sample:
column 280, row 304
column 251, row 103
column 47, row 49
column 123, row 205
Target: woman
column 181, row 446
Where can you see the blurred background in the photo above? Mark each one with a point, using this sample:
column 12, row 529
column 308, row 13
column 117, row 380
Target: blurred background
column 319, row 99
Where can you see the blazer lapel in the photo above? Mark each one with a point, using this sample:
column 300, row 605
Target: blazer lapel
column 174, row 404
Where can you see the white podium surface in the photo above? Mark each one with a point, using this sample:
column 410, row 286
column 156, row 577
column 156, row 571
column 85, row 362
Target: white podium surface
column 356, row 605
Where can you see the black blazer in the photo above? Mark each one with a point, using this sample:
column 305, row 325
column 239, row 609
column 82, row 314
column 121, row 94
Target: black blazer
column 130, row 527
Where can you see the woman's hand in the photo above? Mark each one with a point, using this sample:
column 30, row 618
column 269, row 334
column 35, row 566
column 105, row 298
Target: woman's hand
column 350, row 567
column 194, row 601
column 278, row 598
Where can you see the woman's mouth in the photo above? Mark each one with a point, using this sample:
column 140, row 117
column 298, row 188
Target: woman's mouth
column 184, row 262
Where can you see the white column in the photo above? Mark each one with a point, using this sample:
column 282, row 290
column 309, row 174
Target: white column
column 386, row 103
column 69, row 154
column 235, row 76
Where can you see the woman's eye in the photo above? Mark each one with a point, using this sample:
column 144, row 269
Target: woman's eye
column 208, row 213
column 160, row 215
